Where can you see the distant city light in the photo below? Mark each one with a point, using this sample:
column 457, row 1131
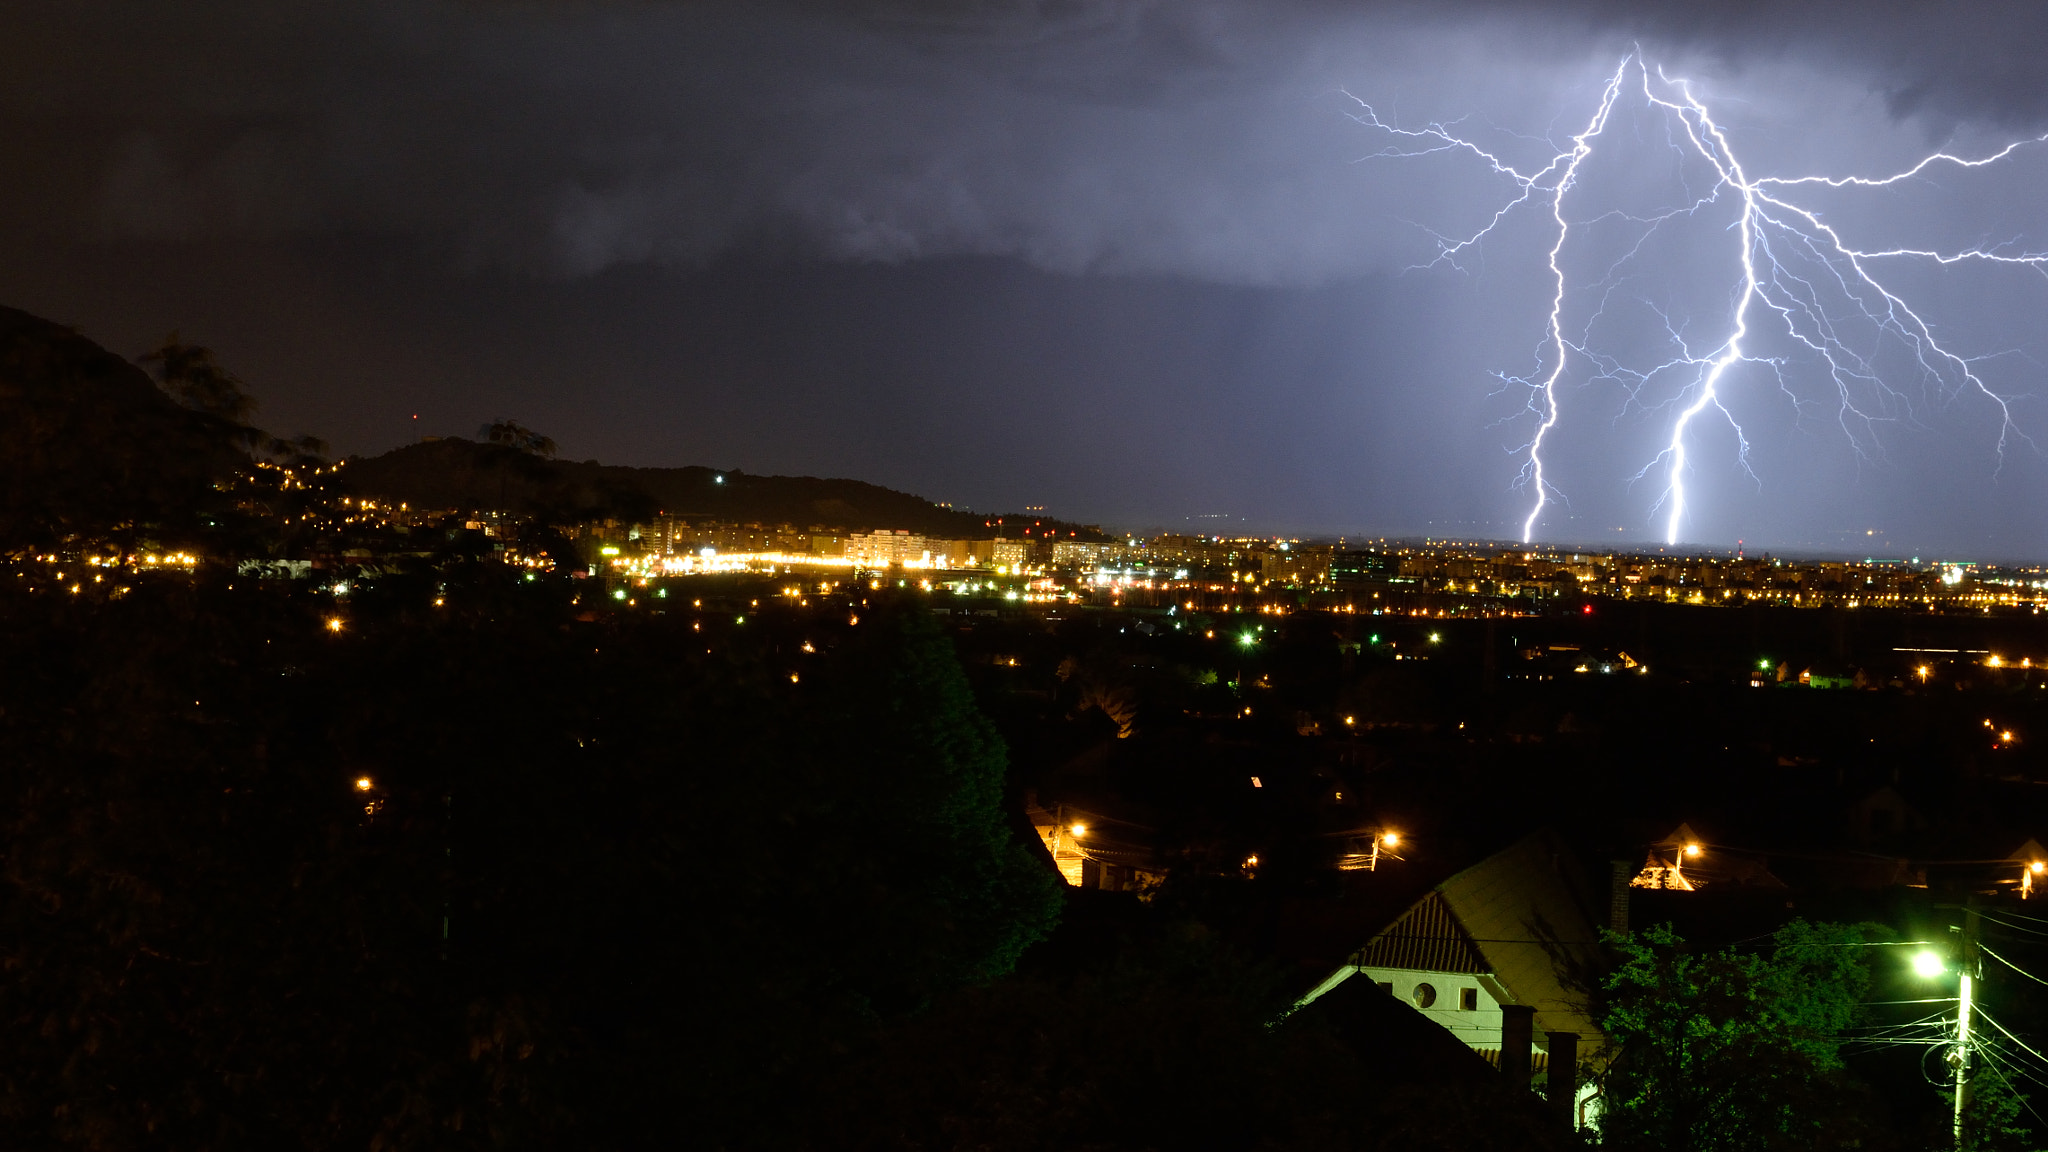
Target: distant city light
column 363, row 784
column 334, row 623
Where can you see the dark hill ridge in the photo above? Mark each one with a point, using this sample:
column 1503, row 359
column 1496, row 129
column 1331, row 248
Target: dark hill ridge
column 90, row 446
column 458, row 473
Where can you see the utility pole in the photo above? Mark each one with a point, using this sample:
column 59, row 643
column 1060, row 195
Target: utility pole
column 1966, row 967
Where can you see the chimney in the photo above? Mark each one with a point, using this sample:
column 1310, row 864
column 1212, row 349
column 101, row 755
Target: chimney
column 1563, row 1083
column 1620, row 873
column 1517, row 1033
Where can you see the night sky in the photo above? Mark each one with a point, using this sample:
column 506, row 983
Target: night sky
column 1137, row 262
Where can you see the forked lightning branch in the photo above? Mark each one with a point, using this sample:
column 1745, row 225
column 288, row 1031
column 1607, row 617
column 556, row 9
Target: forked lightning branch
column 1871, row 354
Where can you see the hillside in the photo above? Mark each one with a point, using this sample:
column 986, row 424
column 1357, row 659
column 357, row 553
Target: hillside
column 458, row 473
column 89, row 446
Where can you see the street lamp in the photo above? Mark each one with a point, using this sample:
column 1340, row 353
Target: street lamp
column 1927, row 964
column 1381, row 839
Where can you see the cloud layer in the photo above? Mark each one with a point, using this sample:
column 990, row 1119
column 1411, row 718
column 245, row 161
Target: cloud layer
column 1131, row 257
column 1200, row 139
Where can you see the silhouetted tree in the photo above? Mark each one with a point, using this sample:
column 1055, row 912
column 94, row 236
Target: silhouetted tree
column 191, row 375
column 513, row 434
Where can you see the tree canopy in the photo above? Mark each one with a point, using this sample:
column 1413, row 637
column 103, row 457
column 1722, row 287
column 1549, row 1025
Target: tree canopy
column 1733, row 1050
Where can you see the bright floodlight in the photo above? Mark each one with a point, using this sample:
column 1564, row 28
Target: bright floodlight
column 1080, row 829
column 1927, row 965
column 1390, row 838
column 1692, row 849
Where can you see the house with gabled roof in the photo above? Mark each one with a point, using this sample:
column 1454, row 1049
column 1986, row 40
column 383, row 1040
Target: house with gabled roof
column 1503, row 956
column 1683, row 861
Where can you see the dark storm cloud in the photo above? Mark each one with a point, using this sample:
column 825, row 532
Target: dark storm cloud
column 1943, row 62
column 1128, row 258
column 1196, row 139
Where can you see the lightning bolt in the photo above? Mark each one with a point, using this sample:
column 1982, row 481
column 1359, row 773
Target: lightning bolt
column 1791, row 266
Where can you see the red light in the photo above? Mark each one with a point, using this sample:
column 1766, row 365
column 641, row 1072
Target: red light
column 1588, row 609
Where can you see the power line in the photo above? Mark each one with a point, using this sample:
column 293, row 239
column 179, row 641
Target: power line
column 1997, row 1066
column 2014, row 927
column 1993, row 1051
column 2021, row 916
column 2009, row 1036
column 2009, row 964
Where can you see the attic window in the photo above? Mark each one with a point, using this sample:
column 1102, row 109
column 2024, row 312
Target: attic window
column 1468, row 999
column 1424, row 995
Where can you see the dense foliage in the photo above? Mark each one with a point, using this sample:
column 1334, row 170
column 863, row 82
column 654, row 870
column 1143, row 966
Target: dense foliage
column 1737, row 1050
